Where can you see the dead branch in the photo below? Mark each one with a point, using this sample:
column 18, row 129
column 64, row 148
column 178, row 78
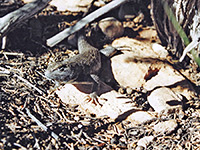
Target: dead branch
column 80, row 24
column 55, row 136
column 11, row 20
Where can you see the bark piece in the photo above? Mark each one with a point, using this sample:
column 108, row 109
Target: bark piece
column 15, row 18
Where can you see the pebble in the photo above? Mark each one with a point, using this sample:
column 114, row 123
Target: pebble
column 129, row 90
column 127, row 11
column 111, row 27
column 163, row 99
column 165, row 127
column 160, row 50
column 140, row 148
column 144, row 142
column 141, row 117
column 122, row 90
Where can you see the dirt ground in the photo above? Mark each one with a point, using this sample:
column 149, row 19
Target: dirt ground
column 156, row 107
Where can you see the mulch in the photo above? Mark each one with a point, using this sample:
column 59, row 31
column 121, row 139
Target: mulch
column 33, row 117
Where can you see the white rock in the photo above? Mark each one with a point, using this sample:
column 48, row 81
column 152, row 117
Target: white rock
column 145, row 141
column 75, row 6
column 129, row 69
column 140, row 117
column 163, row 99
column 166, row 127
column 112, row 107
column 160, row 50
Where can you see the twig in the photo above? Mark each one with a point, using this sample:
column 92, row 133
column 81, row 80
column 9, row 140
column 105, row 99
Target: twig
column 43, row 75
column 55, row 136
column 68, row 145
column 4, row 71
column 36, row 145
column 80, row 24
column 29, row 84
column 38, row 109
column 21, row 147
column 192, row 45
column 12, row 53
column 100, row 141
column 22, row 79
column 16, row 144
column 4, row 42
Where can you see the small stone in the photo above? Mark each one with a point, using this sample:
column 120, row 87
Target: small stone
column 99, row 3
column 94, row 148
column 178, row 137
column 160, row 50
column 80, row 126
column 141, row 117
column 76, row 52
column 144, row 142
column 111, row 27
column 139, row 18
column 129, row 90
column 127, row 11
column 144, row 90
column 163, row 99
column 139, row 148
column 166, row 127
column 76, row 118
column 121, row 90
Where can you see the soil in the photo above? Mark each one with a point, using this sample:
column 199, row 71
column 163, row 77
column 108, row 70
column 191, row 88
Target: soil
column 32, row 116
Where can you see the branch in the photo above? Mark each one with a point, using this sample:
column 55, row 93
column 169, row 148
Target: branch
column 11, row 20
column 55, row 136
column 80, row 24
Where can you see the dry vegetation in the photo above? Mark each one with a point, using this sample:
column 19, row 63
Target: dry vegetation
column 32, row 116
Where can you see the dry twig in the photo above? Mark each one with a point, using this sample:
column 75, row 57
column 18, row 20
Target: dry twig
column 6, row 71
column 55, row 136
column 80, row 24
column 11, row 20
